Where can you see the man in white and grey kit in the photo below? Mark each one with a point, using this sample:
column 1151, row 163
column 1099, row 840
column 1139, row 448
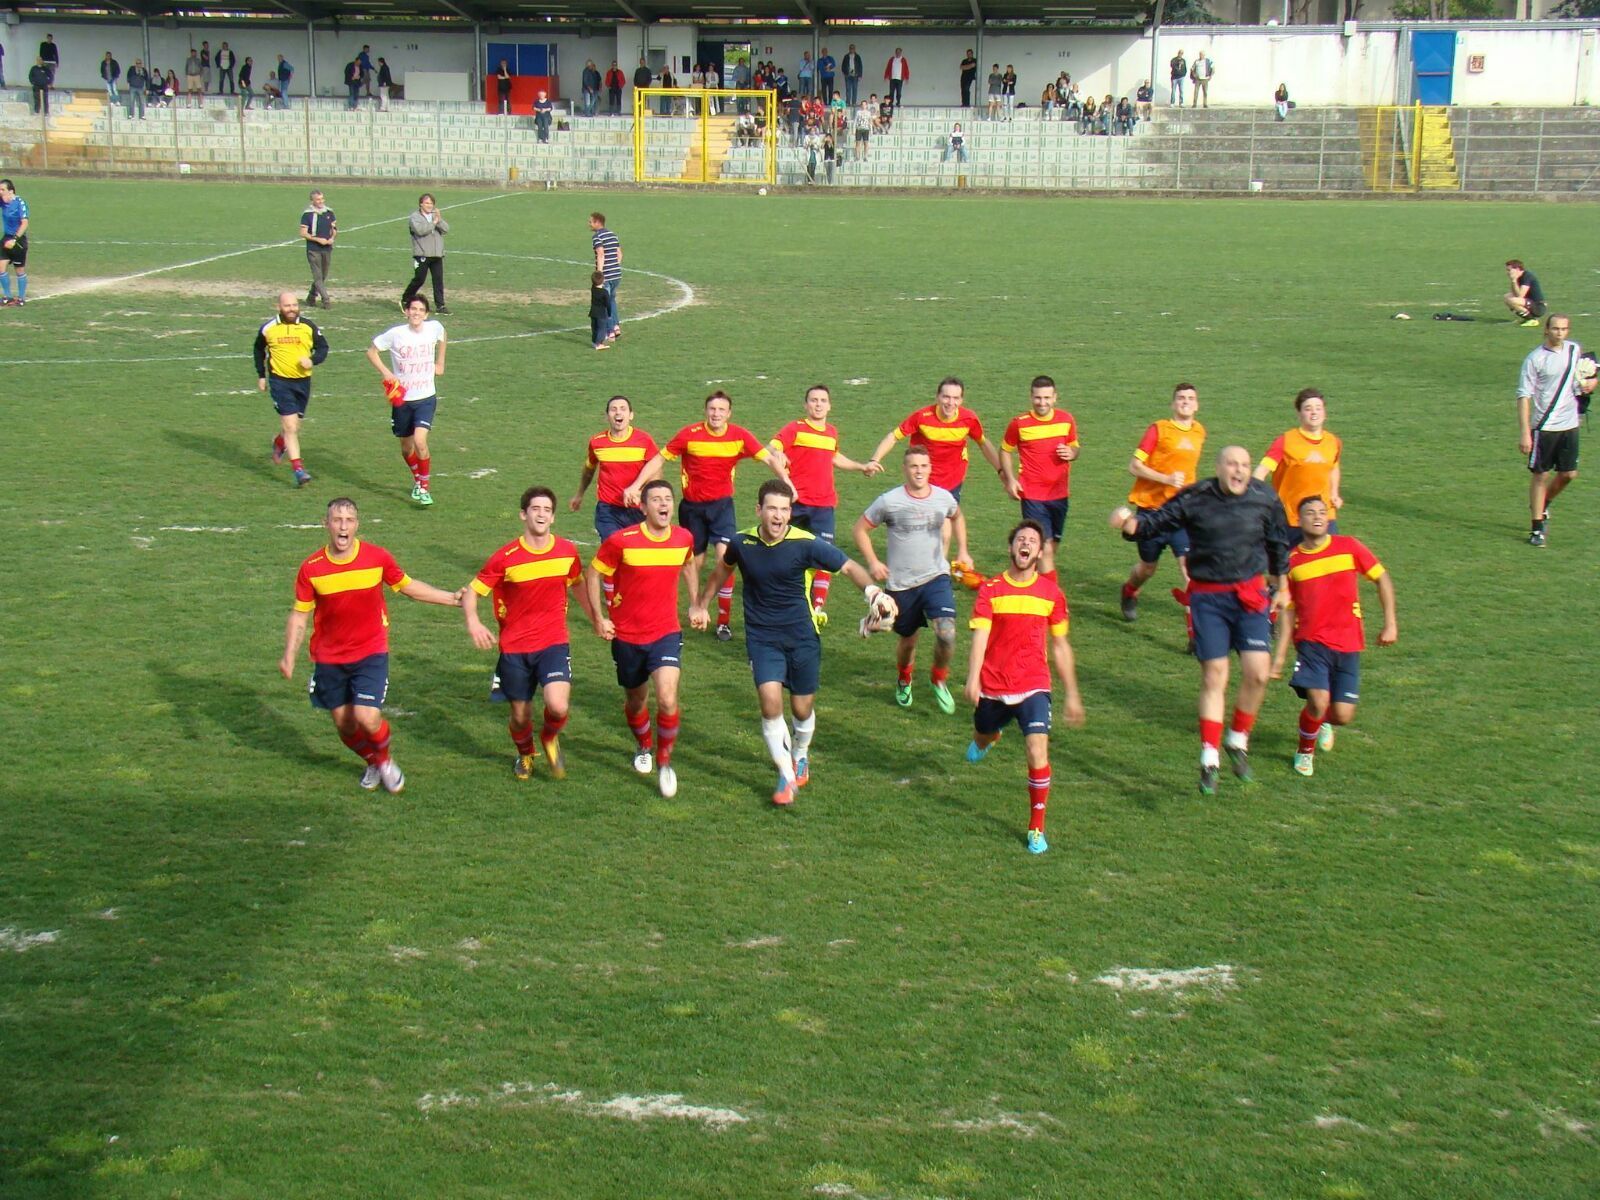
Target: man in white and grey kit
column 1547, row 419
column 918, row 571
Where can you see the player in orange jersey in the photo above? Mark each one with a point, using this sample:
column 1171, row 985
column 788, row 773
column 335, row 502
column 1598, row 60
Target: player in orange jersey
column 1019, row 631
column 339, row 592
column 1045, row 438
column 1324, row 570
column 810, row 447
column 1165, row 461
column 616, row 454
column 1306, row 461
column 944, row 428
column 528, row 578
column 640, row 619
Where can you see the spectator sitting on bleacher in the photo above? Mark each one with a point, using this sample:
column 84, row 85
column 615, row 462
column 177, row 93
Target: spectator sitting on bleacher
column 1145, row 97
column 1108, row 114
column 885, row 115
column 1086, row 115
column 543, row 109
column 273, row 93
column 744, row 130
column 955, row 144
column 1073, row 104
column 1047, row 101
column 1125, row 116
column 1280, row 102
column 838, row 116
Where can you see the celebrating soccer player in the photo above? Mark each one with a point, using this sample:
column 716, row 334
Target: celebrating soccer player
column 943, row 428
column 711, row 451
column 529, row 578
column 640, row 620
column 339, row 590
column 417, row 351
column 1019, row 630
column 810, row 446
column 1165, row 461
column 286, row 349
column 1046, row 440
column 780, row 626
column 1305, row 461
column 1236, row 535
column 1328, row 638
column 918, row 571
column 616, row 454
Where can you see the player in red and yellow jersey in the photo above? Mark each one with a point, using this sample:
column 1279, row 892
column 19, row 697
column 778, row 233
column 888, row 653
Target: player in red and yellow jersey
column 1019, row 631
column 810, row 447
column 1045, row 438
column 640, row 619
column 529, row 578
column 616, row 454
column 944, row 428
column 339, row 592
column 711, row 451
column 1307, row 461
column 1324, row 571
column 1165, row 461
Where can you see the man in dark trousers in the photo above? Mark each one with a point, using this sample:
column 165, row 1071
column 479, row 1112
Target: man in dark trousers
column 428, row 228
column 318, row 228
column 39, row 80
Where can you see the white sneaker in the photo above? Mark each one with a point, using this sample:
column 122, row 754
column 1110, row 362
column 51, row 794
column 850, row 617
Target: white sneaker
column 668, row 779
column 369, row 778
column 644, row 762
column 391, row 776
column 1325, row 737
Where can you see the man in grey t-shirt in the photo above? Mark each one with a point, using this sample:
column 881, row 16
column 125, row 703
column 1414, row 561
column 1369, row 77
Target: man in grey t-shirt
column 1548, row 408
column 918, row 570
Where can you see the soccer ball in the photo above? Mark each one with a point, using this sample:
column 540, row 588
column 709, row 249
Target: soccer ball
column 881, row 613
column 761, row 191
column 1586, row 368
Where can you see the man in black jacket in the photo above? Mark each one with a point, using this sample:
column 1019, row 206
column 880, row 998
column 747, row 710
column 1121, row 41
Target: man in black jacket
column 1237, row 535
column 39, row 81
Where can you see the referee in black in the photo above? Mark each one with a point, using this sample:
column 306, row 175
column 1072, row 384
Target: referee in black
column 318, row 227
column 1239, row 538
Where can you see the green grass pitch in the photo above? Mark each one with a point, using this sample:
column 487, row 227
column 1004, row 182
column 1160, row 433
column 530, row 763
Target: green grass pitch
column 265, row 982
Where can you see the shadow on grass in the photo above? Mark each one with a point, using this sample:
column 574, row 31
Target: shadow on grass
column 228, row 453
column 241, row 712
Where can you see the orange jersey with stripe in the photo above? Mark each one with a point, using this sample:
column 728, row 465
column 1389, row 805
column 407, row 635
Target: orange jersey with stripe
column 1302, row 466
column 810, row 449
column 1020, row 618
column 1323, row 589
column 1034, row 440
column 530, row 592
column 645, row 570
column 1167, row 447
column 710, row 459
column 617, row 461
column 946, row 441
column 345, row 597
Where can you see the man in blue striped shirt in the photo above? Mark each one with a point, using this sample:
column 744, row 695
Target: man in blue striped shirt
column 608, row 261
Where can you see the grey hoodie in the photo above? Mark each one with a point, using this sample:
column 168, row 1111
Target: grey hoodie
column 427, row 237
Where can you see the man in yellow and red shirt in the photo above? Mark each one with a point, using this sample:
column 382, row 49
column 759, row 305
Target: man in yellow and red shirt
column 944, row 428
column 1046, row 440
column 1324, row 572
column 339, row 592
column 810, row 447
column 528, row 578
column 711, row 451
column 616, row 455
column 640, row 619
column 1305, row 461
column 1019, row 630
column 1165, row 461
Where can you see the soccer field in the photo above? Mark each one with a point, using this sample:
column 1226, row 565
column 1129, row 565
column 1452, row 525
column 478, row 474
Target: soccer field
column 226, row 971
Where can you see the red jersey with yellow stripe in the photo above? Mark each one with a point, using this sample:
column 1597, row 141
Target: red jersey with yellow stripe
column 530, row 592
column 617, row 461
column 1302, row 466
column 644, row 568
column 810, row 449
column 1034, row 440
column 1020, row 618
column 345, row 597
column 946, row 441
column 1169, row 448
column 1323, row 589
column 709, row 459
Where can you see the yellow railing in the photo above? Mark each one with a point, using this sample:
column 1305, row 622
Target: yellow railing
column 1407, row 149
column 715, row 113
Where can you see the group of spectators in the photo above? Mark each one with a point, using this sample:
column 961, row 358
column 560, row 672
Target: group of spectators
column 360, row 74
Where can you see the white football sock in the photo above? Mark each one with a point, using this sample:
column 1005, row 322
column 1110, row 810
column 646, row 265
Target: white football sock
column 775, row 732
column 804, row 731
column 1209, row 756
column 1234, row 740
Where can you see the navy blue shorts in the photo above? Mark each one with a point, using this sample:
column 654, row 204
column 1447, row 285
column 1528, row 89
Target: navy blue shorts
column 1150, row 548
column 290, row 397
column 1052, row 514
column 635, row 662
column 364, row 682
column 518, row 676
column 798, row 666
column 816, row 520
column 924, row 604
column 608, row 518
column 1222, row 624
column 1319, row 669
column 412, row 416
column 1031, row 713
column 710, row 521
column 956, row 491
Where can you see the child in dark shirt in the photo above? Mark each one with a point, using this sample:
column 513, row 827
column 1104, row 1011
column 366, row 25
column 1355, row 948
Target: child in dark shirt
column 599, row 310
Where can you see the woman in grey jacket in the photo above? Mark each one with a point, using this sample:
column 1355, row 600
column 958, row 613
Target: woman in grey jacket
column 428, row 228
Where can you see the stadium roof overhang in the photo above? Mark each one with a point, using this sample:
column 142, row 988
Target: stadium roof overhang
column 526, row 12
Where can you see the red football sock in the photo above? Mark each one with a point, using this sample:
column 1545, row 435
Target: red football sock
column 422, row 471
column 297, row 464
column 277, row 442
column 1129, row 591
column 552, row 726
column 380, row 745
column 1211, row 734
column 639, row 724
column 1038, row 795
column 522, row 735
column 725, row 603
column 1309, row 728
column 939, row 674
column 905, row 671
column 357, row 741
column 1242, row 722
column 666, row 735
column 411, row 465
column 820, row 582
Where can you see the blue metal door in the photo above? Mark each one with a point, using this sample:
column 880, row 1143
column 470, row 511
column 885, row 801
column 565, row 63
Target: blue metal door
column 1433, row 59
